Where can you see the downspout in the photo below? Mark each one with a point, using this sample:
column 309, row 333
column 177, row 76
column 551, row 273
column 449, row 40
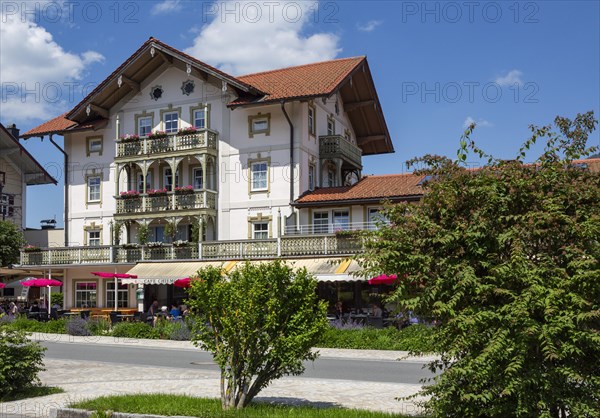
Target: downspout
column 66, row 174
column 291, row 153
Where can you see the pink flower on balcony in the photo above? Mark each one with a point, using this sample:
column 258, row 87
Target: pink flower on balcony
column 184, row 189
column 157, row 135
column 129, row 194
column 154, row 192
column 129, row 138
column 187, row 131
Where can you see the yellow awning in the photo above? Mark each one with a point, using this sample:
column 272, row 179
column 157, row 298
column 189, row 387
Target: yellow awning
column 166, row 273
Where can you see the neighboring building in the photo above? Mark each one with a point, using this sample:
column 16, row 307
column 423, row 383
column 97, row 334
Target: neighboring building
column 168, row 145
column 18, row 169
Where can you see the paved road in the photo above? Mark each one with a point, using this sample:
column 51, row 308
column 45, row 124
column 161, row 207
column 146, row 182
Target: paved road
column 383, row 371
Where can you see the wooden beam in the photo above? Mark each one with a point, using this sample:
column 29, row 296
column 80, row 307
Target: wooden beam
column 350, row 106
column 99, row 110
column 362, row 140
column 166, row 58
column 135, row 86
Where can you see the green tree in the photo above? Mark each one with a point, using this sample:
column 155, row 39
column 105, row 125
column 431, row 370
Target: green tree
column 506, row 259
column 260, row 323
column 11, row 240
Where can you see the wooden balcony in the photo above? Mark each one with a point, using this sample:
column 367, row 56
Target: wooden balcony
column 284, row 247
column 336, row 146
column 173, row 145
column 148, row 205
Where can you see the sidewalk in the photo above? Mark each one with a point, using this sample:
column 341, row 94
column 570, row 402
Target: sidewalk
column 86, row 379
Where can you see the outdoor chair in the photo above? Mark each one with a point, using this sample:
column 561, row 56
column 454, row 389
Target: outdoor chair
column 85, row 314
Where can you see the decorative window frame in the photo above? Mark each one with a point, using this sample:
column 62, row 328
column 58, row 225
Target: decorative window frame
column 170, row 109
column 252, row 118
column 257, row 160
column 139, row 116
column 312, row 131
column 312, row 220
column 88, row 142
column 85, row 281
column 259, row 218
column 314, row 175
column 331, row 119
column 89, row 228
column 87, row 189
column 201, row 106
column 192, row 168
column 107, row 300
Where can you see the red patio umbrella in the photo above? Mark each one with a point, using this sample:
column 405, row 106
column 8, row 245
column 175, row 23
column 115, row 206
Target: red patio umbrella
column 49, row 283
column 383, row 279
column 2, row 285
column 187, row 282
column 116, row 276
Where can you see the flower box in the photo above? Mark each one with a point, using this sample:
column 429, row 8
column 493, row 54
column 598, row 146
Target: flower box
column 129, row 138
column 181, row 243
column 184, row 190
column 187, row 131
column 157, row 135
column 31, row 249
column 157, row 192
column 129, row 194
column 154, row 244
column 131, row 245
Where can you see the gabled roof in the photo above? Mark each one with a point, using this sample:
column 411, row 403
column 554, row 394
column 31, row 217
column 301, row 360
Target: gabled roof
column 303, row 81
column 370, row 189
column 13, row 150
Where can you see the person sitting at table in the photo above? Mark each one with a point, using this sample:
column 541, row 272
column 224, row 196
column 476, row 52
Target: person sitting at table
column 175, row 312
column 152, row 311
column 13, row 310
column 35, row 308
column 377, row 312
column 339, row 309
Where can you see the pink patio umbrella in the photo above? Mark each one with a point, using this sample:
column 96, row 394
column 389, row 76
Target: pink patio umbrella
column 383, row 279
column 2, row 285
column 187, row 282
column 49, row 283
column 116, row 276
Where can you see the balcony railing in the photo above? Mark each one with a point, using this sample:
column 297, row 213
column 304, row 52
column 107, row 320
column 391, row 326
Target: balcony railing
column 205, row 139
column 336, row 146
column 171, row 201
column 337, row 228
column 284, row 247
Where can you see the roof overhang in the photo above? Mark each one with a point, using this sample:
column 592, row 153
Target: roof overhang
column 346, row 202
column 11, row 149
column 126, row 79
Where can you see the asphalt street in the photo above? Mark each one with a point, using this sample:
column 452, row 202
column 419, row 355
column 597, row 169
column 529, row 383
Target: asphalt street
column 384, row 371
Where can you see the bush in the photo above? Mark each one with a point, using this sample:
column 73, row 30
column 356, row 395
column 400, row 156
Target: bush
column 30, row 325
column 20, row 362
column 56, row 299
column 78, row 326
column 134, row 330
column 98, row 326
column 414, row 338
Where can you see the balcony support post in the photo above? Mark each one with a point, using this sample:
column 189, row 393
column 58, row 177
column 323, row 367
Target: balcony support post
column 200, row 250
column 278, row 246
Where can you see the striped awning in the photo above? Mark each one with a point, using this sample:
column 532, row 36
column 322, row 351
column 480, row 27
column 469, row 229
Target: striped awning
column 324, row 269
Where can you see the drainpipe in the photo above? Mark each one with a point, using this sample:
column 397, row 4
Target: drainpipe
column 291, row 153
column 66, row 174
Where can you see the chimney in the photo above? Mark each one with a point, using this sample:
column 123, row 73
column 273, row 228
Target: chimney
column 12, row 129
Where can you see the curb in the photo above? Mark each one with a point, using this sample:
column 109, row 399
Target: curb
column 84, row 413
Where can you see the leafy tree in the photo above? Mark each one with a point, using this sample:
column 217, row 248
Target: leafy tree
column 11, row 240
column 20, row 362
column 259, row 323
column 506, row 260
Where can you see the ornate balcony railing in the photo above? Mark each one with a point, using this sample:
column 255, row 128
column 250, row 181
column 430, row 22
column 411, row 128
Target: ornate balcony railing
column 205, row 139
column 336, row 146
column 283, row 247
column 166, row 202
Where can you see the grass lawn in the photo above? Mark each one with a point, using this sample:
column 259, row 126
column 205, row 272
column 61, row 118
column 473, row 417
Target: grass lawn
column 32, row 392
column 163, row 404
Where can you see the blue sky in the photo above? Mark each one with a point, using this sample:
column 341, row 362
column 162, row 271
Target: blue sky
column 437, row 65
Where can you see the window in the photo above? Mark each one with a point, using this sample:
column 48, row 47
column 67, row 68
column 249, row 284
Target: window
column 311, row 120
column 259, row 124
column 93, row 188
column 311, row 177
column 331, row 178
column 259, row 179
column 375, row 217
column 330, row 126
column 260, row 230
column 198, row 178
column 85, row 294
column 122, row 295
column 182, row 233
column 321, row 222
column 341, row 220
column 140, row 182
column 93, row 238
column 199, row 117
column 171, row 121
column 144, row 126
column 7, row 203
column 168, row 179
column 94, row 146
column 158, row 234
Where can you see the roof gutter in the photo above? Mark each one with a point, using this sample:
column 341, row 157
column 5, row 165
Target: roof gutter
column 291, row 152
column 66, row 174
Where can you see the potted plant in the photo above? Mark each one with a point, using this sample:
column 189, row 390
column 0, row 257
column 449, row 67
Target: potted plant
column 154, row 244
column 181, row 243
column 184, row 190
column 129, row 138
column 143, row 234
column 157, row 135
column 129, row 194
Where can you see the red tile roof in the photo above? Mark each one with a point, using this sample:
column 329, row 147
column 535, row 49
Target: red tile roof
column 373, row 188
column 309, row 80
column 58, row 124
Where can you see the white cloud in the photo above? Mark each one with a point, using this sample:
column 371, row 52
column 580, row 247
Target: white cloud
column 35, row 71
column 510, row 79
column 369, row 26
column 251, row 40
column 481, row 122
column 166, row 6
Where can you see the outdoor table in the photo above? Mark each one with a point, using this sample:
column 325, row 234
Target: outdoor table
column 125, row 317
column 70, row 314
